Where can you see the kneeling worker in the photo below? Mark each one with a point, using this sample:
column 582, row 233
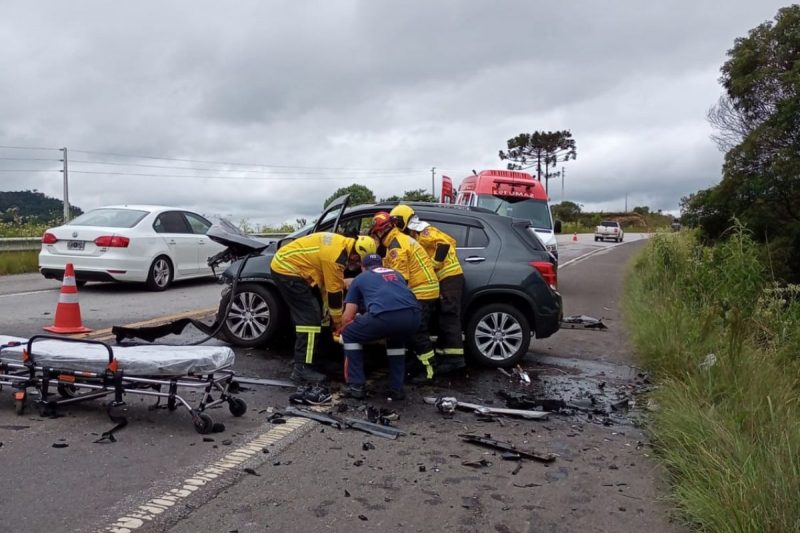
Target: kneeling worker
column 318, row 261
column 392, row 313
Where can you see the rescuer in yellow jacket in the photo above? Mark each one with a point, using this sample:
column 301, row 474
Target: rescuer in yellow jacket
column 406, row 256
column 315, row 261
column 441, row 248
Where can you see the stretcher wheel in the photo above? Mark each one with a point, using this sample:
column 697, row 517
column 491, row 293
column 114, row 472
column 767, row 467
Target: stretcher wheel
column 203, row 423
column 67, row 390
column 237, row 406
column 234, row 387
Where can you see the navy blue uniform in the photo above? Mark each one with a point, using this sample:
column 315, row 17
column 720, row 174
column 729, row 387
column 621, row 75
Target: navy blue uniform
column 392, row 313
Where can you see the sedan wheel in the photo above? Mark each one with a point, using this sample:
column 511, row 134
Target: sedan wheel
column 498, row 335
column 252, row 318
column 160, row 275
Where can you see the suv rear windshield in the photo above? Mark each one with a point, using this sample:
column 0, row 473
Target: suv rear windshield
column 609, row 224
column 536, row 211
column 110, row 218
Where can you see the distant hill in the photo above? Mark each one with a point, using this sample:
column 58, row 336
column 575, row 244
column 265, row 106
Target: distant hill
column 32, row 206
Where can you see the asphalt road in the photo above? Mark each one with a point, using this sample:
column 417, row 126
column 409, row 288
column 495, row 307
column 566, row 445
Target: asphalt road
column 161, row 475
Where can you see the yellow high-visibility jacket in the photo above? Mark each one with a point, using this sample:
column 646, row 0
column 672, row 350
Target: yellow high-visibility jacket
column 441, row 248
column 407, row 256
column 320, row 259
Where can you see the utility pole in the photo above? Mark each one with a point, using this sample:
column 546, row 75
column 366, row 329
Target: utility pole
column 626, row 202
column 563, row 173
column 66, row 186
column 433, row 181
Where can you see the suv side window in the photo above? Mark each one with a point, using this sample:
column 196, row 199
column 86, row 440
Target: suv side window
column 477, row 238
column 356, row 226
column 456, row 231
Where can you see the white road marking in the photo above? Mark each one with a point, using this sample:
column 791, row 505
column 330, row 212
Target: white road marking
column 28, row 292
column 149, row 510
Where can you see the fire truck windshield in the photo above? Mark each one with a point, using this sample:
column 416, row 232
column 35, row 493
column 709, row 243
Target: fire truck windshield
column 537, row 211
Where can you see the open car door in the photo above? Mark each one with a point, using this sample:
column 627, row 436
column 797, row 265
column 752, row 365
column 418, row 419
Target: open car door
column 333, row 212
column 448, row 195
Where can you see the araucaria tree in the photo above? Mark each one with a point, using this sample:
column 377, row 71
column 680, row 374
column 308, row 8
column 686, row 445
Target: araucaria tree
column 757, row 123
column 540, row 149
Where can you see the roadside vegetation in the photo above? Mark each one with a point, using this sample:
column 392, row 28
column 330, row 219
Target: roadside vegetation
column 19, row 262
column 722, row 342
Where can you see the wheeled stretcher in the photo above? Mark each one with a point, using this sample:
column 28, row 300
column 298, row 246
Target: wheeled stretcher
column 83, row 370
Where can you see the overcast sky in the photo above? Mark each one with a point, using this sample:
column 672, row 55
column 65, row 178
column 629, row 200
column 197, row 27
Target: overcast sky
column 302, row 97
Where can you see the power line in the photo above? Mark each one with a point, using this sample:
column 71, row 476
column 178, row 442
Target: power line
column 229, row 163
column 28, row 148
column 231, row 178
column 116, row 163
column 27, row 170
column 28, row 159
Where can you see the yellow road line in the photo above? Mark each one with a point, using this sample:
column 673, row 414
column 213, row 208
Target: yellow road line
column 105, row 333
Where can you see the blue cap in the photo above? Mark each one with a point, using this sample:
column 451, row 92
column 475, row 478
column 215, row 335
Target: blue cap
column 372, row 261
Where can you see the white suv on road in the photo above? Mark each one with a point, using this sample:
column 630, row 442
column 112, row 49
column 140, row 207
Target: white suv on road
column 609, row 229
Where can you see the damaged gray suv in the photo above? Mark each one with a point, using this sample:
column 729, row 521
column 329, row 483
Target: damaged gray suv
column 510, row 292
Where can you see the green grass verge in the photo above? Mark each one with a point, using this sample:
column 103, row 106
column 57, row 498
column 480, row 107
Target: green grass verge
column 19, row 262
column 728, row 431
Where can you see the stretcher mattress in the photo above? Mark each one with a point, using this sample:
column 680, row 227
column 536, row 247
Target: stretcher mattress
column 148, row 360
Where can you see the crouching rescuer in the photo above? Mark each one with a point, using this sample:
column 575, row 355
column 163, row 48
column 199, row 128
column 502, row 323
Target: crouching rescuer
column 409, row 259
column 310, row 263
column 441, row 248
column 392, row 313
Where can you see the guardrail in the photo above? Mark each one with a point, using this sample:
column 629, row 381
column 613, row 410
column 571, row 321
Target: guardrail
column 19, row 244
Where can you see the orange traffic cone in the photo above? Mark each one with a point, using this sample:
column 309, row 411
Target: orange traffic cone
column 575, row 236
column 68, row 310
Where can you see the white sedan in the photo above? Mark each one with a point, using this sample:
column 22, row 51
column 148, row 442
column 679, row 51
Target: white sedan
column 149, row 244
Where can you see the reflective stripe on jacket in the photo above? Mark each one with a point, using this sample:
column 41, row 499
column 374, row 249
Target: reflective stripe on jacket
column 408, row 257
column 320, row 259
column 441, row 248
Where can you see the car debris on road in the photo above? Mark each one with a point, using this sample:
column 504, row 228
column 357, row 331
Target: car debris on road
column 507, row 448
column 448, row 405
column 378, row 430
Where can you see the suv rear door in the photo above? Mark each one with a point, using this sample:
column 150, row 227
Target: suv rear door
column 477, row 246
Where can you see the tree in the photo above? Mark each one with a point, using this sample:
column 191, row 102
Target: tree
column 566, row 211
column 359, row 194
column 757, row 120
column 539, row 148
column 419, row 195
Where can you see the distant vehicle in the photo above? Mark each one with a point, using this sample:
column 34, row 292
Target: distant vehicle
column 609, row 229
column 510, row 291
column 514, row 194
column 676, row 226
column 155, row 245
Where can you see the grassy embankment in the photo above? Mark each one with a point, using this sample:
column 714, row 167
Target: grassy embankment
column 24, row 261
column 631, row 222
column 723, row 344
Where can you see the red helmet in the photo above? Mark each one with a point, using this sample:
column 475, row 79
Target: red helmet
column 381, row 222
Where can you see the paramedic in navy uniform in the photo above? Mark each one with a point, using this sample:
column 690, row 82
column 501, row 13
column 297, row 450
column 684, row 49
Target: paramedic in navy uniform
column 392, row 313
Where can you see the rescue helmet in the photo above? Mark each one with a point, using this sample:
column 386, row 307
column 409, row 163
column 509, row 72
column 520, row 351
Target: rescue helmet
column 381, row 223
column 401, row 215
column 364, row 246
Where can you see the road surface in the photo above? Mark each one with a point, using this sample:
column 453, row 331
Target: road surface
column 161, row 475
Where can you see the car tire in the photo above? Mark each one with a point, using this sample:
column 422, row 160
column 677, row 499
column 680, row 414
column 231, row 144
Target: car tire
column 254, row 316
column 483, row 344
column 160, row 275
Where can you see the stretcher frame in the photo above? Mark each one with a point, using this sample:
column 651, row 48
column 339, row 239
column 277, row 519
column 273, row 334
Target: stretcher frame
column 28, row 376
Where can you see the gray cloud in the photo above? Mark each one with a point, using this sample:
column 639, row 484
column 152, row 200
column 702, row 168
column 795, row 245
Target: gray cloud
column 360, row 84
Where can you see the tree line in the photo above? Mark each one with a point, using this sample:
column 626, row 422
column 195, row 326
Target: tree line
column 757, row 125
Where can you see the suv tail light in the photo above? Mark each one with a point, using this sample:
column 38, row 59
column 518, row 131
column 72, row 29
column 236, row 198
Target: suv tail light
column 49, row 238
column 112, row 241
column 548, row 272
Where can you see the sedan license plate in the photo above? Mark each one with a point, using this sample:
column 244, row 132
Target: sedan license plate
column 75, row 245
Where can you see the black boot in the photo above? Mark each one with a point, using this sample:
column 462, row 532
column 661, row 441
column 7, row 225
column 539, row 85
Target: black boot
column 303, row 373
column 448, row 365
